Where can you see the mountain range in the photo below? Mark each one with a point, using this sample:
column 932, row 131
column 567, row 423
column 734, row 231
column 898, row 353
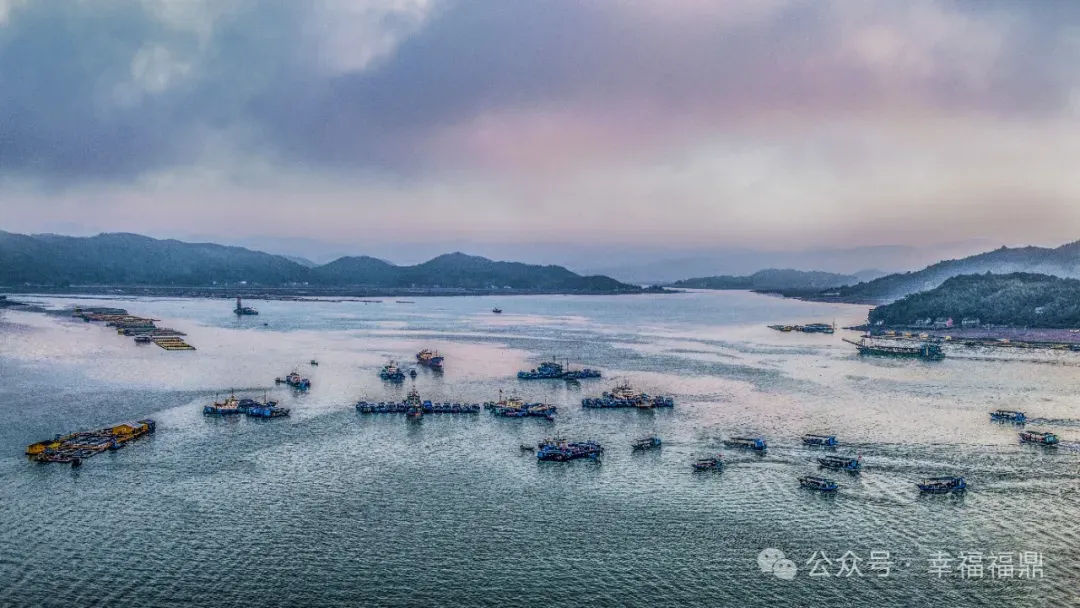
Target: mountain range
column 1063, row 261
column 772, row 279
column 123, row 259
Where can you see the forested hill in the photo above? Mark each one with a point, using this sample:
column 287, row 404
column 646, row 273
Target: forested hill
column 1016, row 300
column 134, row 260
column 770, row 279
column 1062, row 261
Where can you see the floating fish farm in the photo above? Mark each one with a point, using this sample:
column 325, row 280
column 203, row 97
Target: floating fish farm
column 142, row 329
column 561, row 450
column 553, row 370
column 624, row 396
column 73, row 448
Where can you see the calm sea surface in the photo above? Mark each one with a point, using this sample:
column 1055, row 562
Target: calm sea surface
column 332, row 507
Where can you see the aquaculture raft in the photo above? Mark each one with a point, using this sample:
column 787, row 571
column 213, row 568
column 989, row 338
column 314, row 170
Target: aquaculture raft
column 142, row 329
column 624, row 396
column 75, row 447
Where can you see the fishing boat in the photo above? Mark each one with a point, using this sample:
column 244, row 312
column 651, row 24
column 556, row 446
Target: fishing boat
column 1008, row 416
column 819, row 440
column 516, row 407
column 624, row 396
column 295, row 380
column 527, row 448
column 267, row 410
column 497, row 310
column 227, row 407
column 242, row 310
column 550, row 370
column 820, row 484
column 430, row 359
column 929, row 351
column 712, row 463
column 143, row 339
column 561, row 450
column 314, row 363
column 853, row 465
column 647, row 443
column 1041, row 438
column 414, row 407
column 942, row 485
column 756, row 444
column 391, row 372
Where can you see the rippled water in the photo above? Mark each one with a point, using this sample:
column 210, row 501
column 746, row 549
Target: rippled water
column 333, row 507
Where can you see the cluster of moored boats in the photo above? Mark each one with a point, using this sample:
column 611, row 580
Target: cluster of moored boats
column 251, row 407
column 624, row 395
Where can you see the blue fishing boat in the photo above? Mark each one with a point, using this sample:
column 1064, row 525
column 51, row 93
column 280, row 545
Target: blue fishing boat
column 497, row 310
column 392, row 373
column 1040, row 438
column 516, row 407
column 647, row 443
column 553, row 370
column 820, row 484
column 756, row 444
column 295, row 380
column 265, row 410
column 853, row 465
column 712, row 463
column 942, row 485
column 414, row 407
column 819, row 440
column 1008, row 416
column 430, row 359
column 561, row 450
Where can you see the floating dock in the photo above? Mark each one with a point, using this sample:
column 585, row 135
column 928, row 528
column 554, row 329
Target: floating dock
column 73, row 448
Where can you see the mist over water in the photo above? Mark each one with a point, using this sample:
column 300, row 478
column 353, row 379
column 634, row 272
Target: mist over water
column 332, row 507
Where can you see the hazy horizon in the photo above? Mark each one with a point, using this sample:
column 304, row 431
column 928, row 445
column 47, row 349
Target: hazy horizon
column 545, row 131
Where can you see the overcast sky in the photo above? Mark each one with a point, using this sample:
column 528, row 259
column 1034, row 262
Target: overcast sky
column 771, row 124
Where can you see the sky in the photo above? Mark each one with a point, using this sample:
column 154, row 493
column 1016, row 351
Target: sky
column 516, row 126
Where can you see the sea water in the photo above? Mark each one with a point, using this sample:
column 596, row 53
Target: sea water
column 333, row 507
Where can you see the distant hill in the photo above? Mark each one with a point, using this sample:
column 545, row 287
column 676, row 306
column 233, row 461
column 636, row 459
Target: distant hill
column 134, row 260
column 1016, row 300
column 1062, row 261
column 771, row 279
